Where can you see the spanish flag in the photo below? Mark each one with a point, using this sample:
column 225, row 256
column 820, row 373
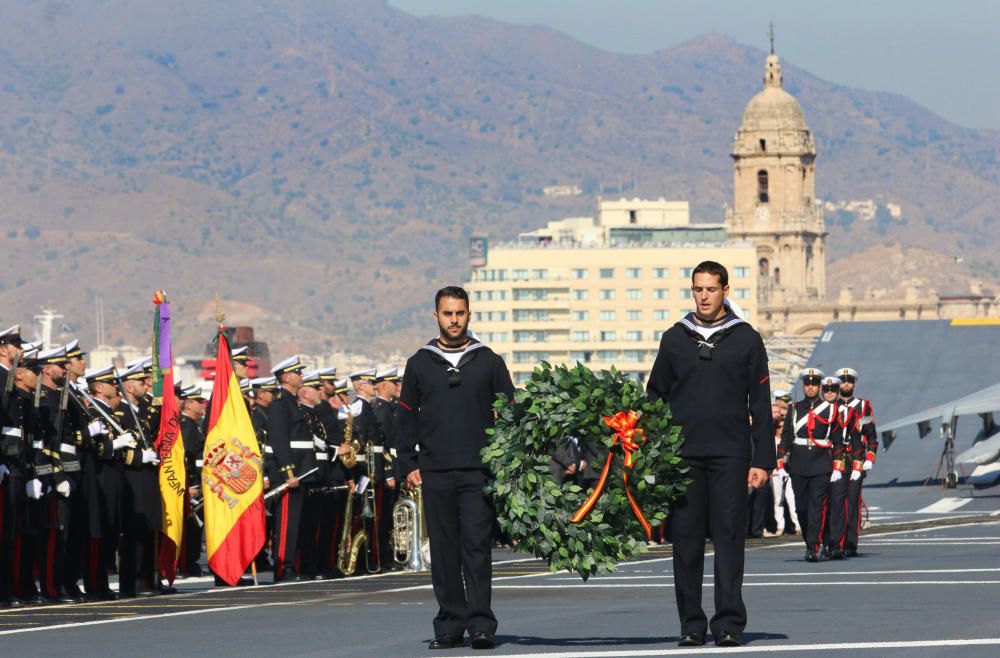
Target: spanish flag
column 169, row 444
column 232, row 477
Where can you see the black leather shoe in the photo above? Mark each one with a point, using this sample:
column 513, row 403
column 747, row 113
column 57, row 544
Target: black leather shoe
column 728, row 639
column 445, row 642
column 691, row 640
column 835, row 553
column 812, row 557
column 850, row 552
column 483, row 640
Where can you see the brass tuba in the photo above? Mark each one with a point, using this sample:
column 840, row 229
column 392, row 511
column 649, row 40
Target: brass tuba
column 410, row 545
column 350, row 546
column 350, row 459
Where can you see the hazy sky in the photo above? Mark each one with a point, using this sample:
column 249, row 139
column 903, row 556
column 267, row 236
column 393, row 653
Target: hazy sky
column 944, row 55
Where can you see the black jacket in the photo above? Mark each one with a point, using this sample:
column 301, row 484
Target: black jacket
column 447, row 410
column 715, row 388
column 289, row 436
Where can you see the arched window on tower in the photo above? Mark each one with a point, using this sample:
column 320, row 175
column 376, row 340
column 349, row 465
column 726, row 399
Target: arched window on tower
column 762, row 186
column 764, row 267
column 763, row 144
column 777, row 275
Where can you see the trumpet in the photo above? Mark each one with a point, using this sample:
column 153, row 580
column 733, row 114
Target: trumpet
column 410, row 545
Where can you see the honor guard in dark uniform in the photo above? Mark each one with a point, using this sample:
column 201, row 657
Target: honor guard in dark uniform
column 142, row 514
column 59, row 437
column 109, row 442
column 384, row 407
column 309, row 540
column 289, row 435
column 337, row 478
column 15, row 471
column 863, row 419
column 262, row 391
column 847, row 445
column 812, row 428
column 192, row 413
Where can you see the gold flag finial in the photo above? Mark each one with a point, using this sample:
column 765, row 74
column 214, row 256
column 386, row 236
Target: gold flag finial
column 219, row 317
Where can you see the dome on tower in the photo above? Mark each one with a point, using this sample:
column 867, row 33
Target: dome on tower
column 773, row 108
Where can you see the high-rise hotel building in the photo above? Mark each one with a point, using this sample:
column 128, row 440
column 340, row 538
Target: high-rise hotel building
column 599, row 291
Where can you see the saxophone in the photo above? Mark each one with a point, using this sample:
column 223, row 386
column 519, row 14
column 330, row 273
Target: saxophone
column 347, row 551
column 350, row 459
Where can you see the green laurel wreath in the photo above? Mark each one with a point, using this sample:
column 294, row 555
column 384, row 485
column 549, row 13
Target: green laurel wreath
column 534, row 509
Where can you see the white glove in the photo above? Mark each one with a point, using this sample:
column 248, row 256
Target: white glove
column 34, row 489
column 97, row 427
column 835, row 476
column 63, row 488
column 3, row 472
column 855, row 475
column 149, row 457
column 867, row 466
column 125, row 440
column 781, row 473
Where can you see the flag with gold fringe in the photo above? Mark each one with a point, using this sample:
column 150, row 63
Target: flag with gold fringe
column 232, row 477
column 169, row 444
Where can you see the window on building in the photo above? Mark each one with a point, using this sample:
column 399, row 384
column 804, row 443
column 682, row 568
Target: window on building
column 633, row 356
column 777, row 275
column 607, row 356
column 492, row 275
column 607, row 272
column 762, row 193
column 661, row 293
column 633, row 293
column 633, row 272
column 519, row 275
column 531, row 315
column 686, row 272
column 764, row 267
column 661, row 314
column 608, row 316
column 763, row 144
column 633, row 316
column 607, row 293
column 530, row 357
column 582, row 357
column 522, row 336
column 741, row 272
column 581, row 316
column 633, row 217
column 579, row 295
column 741, row 293
column 578, row 273
column 633, row 336
column 661, row 272
column 580, row 336
column 540, row 274
column 531, row 294
column 686, row 293
column 608, row 336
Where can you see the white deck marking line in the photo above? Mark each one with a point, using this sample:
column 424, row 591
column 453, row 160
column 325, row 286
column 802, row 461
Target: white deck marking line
column 97, row 622
column 899, row 542
column 929, row 539
column 945, row 505
column 762, row 648
column 835, row 583
column 797, row 573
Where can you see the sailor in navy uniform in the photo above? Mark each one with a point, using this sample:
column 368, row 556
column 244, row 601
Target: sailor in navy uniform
column 846, row 445
column 806, row 453
column 262, row 390
column 863, row 418
column 192, row 433
column 290, row 438
column 15, row 471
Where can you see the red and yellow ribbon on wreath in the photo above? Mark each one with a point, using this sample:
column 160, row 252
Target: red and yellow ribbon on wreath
column 626, row 433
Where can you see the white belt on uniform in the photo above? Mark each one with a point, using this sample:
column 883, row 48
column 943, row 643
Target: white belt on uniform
column 319, row 443
column 37, row 445
column 864, row 421
column 801, row 441
column 67, row 448
column 12, row 431
column 378, row 449
column 269, row 450
column 301, row 445
column 322, row 456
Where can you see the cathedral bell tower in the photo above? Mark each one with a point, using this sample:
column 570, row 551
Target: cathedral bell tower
column 774, row 201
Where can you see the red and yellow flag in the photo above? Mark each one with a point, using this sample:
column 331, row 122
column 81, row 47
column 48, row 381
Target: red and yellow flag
column 169, row 443
column 232, row 477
